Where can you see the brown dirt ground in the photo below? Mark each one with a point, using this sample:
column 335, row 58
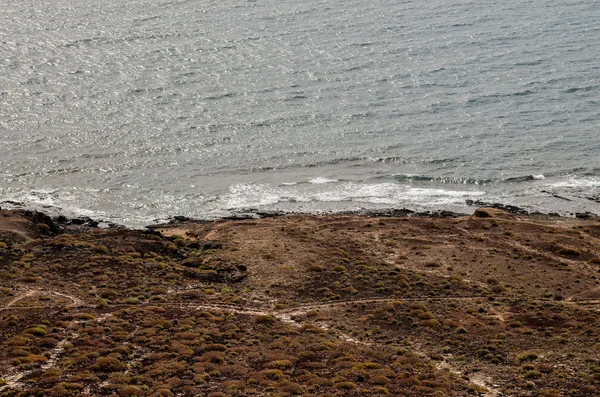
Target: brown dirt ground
column 491, row 304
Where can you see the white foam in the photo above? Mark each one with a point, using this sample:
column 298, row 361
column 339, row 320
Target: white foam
column 538, row 177
column 51, row 205
column 392, row 194
column 322, row 180
column 578, row 182
column 248, row 195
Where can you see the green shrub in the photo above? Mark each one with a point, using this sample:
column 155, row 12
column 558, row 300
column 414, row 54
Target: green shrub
column 315, row 268
column 273, row 374
column 280, row 364
column 266, row 320
column 345, row 386
column 36, row 331
column 130, row 390
column 108, row 364
column 379, row 380
column 533, row 375
column 527, row 356
column 101, row 303
column 290, row 388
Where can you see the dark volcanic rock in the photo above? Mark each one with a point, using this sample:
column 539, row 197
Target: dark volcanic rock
column 491, row 213
column 585, row 215
column 39, row 217
column 505, row 207
column 212, row 245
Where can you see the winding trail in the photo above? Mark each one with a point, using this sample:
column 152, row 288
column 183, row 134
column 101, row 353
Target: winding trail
column 300, row 308
column 76, row 302
column 478, row 378
column 13, row 377
column 285, row 315
column 573, row 298
column 19, row 297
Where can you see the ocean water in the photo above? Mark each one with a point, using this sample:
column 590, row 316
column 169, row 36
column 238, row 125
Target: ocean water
column 134, row 111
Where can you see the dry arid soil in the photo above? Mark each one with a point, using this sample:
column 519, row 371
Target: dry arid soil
column 491, row 304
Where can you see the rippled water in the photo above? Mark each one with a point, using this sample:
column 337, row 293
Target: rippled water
column 139, row 110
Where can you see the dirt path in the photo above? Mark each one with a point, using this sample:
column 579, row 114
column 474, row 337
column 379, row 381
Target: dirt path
column 287, row 316
column 573, row 297
column 223, row 307
column 77, row 302
column 19, row 297
column 478, row 378
column 301, row 308
column 306, row 307
column 485, row 382
column 531, row 250
column 13, row 377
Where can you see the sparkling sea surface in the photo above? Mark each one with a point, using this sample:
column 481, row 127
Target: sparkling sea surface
column 135, row 111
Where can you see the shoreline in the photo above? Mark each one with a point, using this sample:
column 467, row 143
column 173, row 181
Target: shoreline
column 60, row 220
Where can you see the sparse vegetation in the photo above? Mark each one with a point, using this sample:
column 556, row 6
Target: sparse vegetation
column 293, row 306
